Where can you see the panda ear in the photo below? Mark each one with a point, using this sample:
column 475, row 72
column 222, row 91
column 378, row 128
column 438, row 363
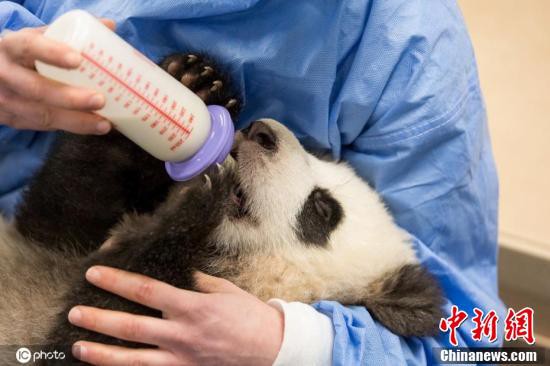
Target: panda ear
column 324, row 204
column 407, row 301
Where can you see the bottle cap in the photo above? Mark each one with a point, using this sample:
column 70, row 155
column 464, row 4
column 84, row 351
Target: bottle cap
column 214, row 150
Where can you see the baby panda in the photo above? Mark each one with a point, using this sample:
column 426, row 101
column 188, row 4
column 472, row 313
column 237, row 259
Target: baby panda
column 275, row 220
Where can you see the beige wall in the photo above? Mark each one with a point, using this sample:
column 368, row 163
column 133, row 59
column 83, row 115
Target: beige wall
column 512, row 43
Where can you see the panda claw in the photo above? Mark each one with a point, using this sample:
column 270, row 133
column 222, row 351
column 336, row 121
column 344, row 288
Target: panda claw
column 207, row 71
column 191, row 59
column 220, row 167
column 216, row 85
column 208, row 182
column 231, row 103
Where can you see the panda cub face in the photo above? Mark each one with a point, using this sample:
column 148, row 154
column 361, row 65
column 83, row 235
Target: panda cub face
column 293, row 205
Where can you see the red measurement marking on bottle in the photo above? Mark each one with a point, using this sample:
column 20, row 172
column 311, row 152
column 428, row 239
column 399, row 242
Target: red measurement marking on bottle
column 176, row 145
column 136, row 93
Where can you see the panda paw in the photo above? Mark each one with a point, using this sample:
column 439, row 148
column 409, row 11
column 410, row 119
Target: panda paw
column 202, row 76
column 210, row 197
column 217, row 182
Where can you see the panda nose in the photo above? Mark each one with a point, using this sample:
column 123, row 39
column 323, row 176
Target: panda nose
column 261, row 133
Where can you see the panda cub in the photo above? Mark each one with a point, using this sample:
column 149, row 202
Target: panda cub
column 276, row 220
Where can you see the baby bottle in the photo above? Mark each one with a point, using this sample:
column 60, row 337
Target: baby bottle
column 143, row 102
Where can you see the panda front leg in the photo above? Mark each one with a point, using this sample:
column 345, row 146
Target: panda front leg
column 88, row 182
column 169, row 245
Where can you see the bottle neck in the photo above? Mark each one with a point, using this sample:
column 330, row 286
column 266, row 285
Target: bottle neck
column 214, row 150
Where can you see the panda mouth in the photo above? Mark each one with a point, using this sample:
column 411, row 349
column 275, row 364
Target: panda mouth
column 239, row 198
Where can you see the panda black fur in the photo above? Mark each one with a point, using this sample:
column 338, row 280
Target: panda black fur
column 275, row 220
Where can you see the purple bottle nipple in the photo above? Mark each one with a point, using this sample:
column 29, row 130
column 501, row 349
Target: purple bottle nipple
column 214, row 150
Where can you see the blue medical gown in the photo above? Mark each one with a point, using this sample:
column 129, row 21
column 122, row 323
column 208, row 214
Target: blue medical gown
column 390, row 86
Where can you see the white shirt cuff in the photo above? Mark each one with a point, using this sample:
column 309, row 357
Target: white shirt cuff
column 308, row 335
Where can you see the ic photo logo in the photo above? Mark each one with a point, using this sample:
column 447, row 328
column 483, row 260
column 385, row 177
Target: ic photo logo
column 24, row 355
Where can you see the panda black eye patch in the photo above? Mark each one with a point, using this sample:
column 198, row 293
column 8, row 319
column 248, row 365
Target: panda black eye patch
column 319, row 216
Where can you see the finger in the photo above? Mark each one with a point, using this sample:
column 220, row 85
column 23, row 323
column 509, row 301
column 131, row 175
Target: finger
column 109, row 23
column 144, row 290
column 101, row 354
column 210, row 284
column 31, row 85
column 131, row 327
column 74, row 122
column 29, row 45
column 31, row 115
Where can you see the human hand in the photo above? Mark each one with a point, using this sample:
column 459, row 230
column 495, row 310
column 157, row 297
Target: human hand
column 30, row 101
column 225, row 325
